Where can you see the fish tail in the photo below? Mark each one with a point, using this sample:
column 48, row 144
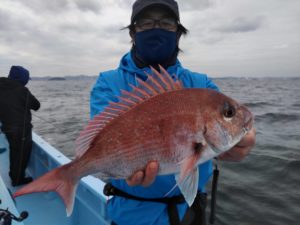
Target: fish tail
column 58, row 180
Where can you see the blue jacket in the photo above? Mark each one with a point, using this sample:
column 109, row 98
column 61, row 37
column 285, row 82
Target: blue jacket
column 125, row 211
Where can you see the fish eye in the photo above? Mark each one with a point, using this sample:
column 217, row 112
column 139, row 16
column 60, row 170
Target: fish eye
column 228, row 110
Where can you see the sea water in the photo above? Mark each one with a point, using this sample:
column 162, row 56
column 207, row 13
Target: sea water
column 263, row 189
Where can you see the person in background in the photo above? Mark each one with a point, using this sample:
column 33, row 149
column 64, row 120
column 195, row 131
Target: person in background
column 16, row 101
column 155, row 30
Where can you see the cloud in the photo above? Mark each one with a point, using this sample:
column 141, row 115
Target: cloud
column 240, row 24
column 47, row 6
column 88, row 5
column 60, row 6
column 66, row 33
column 4, row 21
column 195, row 4
column 61, row 37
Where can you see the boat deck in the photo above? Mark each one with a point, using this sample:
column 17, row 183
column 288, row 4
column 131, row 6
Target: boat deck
column 48, row 208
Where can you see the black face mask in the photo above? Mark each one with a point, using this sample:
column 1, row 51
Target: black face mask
column 155, row 46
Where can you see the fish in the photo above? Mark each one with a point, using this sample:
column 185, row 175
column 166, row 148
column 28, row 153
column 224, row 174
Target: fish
column 158, row 120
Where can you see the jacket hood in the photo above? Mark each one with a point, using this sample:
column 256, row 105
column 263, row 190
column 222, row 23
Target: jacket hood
column 128, row 64
column 20, row 74
column 7, row 83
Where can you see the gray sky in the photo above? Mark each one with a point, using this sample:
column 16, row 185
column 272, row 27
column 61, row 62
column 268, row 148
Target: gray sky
column 226, row 38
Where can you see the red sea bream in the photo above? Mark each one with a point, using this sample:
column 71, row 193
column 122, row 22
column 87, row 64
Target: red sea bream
column 158, row 120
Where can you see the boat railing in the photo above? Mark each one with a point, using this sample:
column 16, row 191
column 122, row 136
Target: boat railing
column 89, row 196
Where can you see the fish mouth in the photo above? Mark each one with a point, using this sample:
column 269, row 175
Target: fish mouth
column 218, row 149
column 248, row 124
column 248, row 118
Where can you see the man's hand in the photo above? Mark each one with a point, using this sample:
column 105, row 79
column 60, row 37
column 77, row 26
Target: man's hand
column 146, row 177
column 241, row 149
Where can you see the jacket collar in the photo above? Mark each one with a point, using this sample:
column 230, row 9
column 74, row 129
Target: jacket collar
column 127, row 64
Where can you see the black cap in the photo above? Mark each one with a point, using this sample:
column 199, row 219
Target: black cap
column 140, row 5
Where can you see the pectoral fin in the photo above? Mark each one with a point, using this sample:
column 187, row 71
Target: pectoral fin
column 189, row 185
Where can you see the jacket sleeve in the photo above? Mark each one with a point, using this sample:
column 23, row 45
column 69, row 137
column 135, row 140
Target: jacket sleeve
column 101, row 95
column 33, row 102
column 210, row 84
column 199, row 80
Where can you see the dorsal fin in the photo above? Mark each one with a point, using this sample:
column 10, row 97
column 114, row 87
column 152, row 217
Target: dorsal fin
column 157, row 83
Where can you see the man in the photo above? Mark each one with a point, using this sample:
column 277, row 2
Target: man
column 155, row 30
column 16, row 101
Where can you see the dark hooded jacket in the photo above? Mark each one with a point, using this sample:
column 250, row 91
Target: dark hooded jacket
column 16, row 101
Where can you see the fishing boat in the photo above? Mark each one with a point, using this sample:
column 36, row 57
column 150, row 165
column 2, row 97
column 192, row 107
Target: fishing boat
column 48, row 208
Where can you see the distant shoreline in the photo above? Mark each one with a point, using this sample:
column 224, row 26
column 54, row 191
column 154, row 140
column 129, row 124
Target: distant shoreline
column 83, row 77
column 57, row 78
column 63, row 78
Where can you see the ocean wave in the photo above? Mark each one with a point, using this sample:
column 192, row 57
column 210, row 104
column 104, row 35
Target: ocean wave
column 258, row 104
column 277, row 117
